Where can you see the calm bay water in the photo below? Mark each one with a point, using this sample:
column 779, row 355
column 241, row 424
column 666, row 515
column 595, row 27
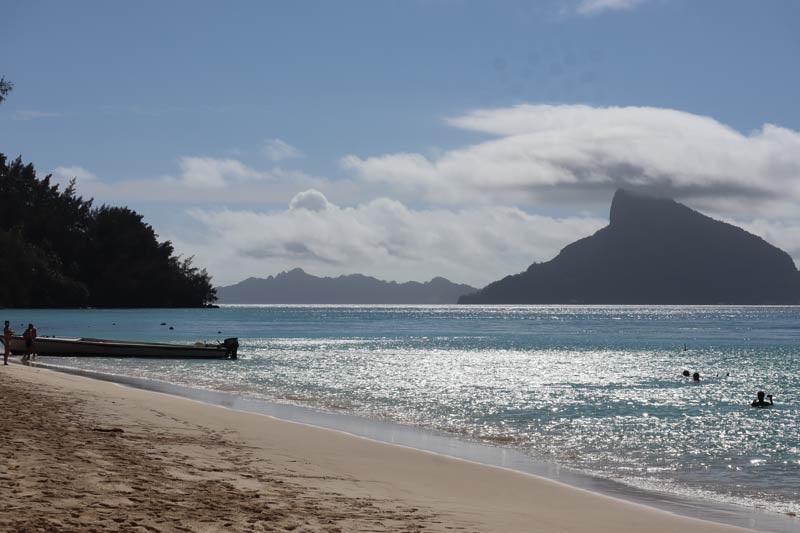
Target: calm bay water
column 594, row 388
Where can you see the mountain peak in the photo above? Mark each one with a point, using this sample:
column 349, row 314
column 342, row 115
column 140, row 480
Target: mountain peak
column 655, row 251
column 295, row 272
column 628, row 207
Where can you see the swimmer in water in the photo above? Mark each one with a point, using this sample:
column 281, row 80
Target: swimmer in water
column 760, row 401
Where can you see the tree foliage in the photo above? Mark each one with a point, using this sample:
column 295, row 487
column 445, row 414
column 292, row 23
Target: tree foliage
column 5, row 88
column 57, row 250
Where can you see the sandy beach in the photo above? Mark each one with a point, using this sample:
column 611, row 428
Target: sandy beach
column 86, row 455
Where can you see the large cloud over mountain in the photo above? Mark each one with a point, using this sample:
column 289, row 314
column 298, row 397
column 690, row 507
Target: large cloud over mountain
column 578, row 153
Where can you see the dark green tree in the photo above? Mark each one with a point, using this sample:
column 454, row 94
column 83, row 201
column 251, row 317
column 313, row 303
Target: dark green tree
column 57, row 250
column 32, row 277
column 137, row 270
column 5, row 88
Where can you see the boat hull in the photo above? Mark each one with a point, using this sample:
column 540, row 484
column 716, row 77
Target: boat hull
column 83, row 347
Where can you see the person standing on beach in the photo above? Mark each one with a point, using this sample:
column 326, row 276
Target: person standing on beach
column 34, row 336
column 30, row 337
column 7, row 334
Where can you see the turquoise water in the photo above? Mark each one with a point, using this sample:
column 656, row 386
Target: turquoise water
column 598, row 389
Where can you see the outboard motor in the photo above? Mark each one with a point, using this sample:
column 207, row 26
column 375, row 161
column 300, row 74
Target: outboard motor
column 231, row 347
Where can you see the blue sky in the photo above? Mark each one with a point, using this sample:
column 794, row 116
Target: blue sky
column 221, row 122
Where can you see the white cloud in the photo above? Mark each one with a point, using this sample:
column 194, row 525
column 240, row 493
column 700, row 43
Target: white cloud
column 65, row 174
column 381, row 237
column 311, row 200
column 84, row 179
column 592, row 7
column 203, row 174
column 579, row 153
column 278, row 150
column 207, row 172
column 203, row 180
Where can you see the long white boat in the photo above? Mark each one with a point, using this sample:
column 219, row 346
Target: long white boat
column 83, row 347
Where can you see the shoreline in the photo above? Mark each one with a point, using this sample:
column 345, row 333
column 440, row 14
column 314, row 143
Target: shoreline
column 464, row 449
column 456, row 453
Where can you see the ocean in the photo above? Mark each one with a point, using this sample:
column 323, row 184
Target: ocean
column 594, row 389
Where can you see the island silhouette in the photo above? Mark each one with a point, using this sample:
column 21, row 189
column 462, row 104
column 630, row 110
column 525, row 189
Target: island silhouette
column 655, row 251
column 298, row 287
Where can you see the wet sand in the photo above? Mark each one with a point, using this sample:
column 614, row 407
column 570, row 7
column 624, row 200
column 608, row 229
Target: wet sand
column 86, row 455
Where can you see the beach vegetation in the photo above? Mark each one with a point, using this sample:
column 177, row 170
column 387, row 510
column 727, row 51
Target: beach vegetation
column 58, row 250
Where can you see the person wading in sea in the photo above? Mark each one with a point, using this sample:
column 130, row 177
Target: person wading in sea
column 760, row 401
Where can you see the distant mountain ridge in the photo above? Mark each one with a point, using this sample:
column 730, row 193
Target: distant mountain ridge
column 655, row 251
column 298, row 287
